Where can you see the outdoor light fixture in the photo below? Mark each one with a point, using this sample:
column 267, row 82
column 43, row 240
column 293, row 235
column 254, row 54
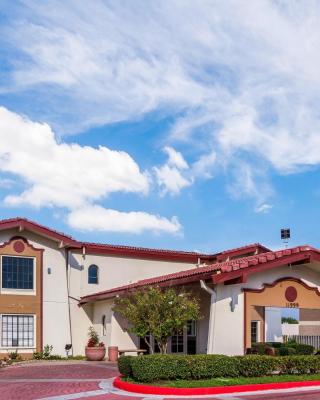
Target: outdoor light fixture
column 67, row 348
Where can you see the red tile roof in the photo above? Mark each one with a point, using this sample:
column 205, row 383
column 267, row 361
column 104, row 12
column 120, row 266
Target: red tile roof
column 24, row 223
column 284, row 257
column 120, row 250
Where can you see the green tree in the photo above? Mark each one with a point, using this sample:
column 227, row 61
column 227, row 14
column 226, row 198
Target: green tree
column 289, row 320
column 159, row 312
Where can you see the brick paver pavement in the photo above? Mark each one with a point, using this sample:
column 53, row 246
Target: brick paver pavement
column 93, row 381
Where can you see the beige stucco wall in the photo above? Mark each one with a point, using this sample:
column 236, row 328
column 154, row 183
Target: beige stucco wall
column 113, row 272
column 116, row 334
column 118, row 271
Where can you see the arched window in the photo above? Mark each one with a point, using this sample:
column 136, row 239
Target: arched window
column 103, row 322
column 93, row 274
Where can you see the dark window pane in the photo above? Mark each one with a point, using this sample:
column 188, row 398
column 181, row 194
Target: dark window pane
column 177, row 342
column 17, row 272
column 93, row 274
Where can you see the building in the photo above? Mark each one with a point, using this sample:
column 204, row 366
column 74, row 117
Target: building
column 54, row 287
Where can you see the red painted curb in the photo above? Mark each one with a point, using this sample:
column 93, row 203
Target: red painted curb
column 147, row 389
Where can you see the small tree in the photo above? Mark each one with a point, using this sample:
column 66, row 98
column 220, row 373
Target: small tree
column 159, row 312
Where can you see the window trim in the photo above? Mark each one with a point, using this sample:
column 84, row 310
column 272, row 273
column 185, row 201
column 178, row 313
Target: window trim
column 34, row 347
column 93, row 283
column 14, row 291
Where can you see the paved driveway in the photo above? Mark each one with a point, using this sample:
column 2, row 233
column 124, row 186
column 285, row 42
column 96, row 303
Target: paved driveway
column 93, row 381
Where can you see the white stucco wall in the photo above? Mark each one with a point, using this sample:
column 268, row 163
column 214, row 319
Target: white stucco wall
column 290, row 329
column 227, row 324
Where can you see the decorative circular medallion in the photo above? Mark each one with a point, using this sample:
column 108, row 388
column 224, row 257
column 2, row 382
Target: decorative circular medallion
column 18, row 246
column 291, row 294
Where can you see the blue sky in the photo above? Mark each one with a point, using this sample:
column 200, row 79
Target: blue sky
column 164, row 124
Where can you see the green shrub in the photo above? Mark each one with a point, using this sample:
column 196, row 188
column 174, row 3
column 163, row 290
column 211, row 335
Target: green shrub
column 300, row 365
column 302, row 349
column 37, row 355
column 47, row 350
column 157, row 367
column 256, row 365
column 276, row 345
column 212, row 366
column 160, row 367
column 124, row 365
column 76, row 357
column 54, row 357
column 261, row 348
column 286, row 351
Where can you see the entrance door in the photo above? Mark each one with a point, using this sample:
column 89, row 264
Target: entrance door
column 191, row 337
column 185, row 341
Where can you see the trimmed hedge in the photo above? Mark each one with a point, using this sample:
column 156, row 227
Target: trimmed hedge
column 255, row 365
column 124, row 365
column 157, row 367
column 281, row 349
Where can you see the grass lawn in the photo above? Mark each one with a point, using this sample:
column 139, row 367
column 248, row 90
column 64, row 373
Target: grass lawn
column 231, row 381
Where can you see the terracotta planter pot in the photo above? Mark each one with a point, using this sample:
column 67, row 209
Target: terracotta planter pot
column 95, row 353
column 113, row 353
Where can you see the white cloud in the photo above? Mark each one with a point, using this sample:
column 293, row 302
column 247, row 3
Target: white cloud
column 61, row 174
column 248, row 182
column 242, row 76
column 203, row 166
column 264, row 208
column 170, row 179
column 170, row 176
column 175, row 159
column 176, row 173
column 97, row 218
column 71, row 176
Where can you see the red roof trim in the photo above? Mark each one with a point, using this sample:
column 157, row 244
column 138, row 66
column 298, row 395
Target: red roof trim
column 219, row 272
column 117, row 250
column 97, row 248
column 273, row 284
column 24, row 223
column 142, row 252
column 256, row 248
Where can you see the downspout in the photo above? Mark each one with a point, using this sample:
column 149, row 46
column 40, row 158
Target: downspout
column 68, row 292
column 213, row 295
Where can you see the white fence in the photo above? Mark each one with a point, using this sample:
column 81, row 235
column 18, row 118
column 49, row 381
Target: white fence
column 304, row 339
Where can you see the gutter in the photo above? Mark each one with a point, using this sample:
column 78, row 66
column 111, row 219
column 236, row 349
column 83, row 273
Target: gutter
column 68, row 292
column 212, row 316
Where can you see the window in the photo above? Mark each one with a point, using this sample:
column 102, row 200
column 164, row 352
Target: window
column 103, row 322
column 191, row 337
column 150, row 339
column 17, row 331
column 93, row 274
column 177, row 342
column 17, row 272
column 254, row 331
